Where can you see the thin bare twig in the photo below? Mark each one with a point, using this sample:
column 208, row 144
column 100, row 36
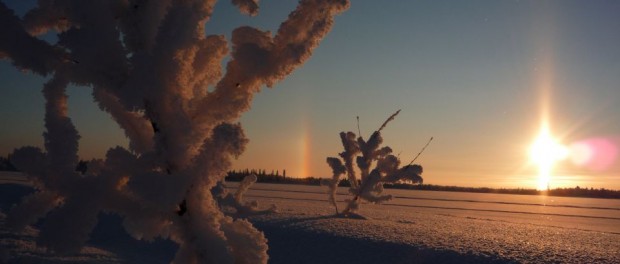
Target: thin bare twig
column 416, row 156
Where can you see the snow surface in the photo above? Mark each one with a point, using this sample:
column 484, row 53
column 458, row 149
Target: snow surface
column 403, row 234
column 416, row 227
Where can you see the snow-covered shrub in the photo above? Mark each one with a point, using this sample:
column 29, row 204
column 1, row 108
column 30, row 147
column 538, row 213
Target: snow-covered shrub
column 369, row 186
column 154, row 70
column 235, row 201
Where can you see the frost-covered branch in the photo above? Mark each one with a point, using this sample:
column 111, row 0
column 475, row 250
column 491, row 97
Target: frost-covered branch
column 337, row 170
column 241, row 208
column 370, row 187
column 155, row 71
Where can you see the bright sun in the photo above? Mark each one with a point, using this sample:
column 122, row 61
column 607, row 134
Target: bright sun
column 545, row 152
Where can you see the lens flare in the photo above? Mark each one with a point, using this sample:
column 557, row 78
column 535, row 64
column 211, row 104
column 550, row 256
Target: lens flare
column 581, row 153
column 597, row 154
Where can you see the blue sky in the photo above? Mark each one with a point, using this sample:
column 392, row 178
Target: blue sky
column 473, row 74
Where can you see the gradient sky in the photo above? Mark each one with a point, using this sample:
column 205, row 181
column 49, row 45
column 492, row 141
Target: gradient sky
column 479, row 76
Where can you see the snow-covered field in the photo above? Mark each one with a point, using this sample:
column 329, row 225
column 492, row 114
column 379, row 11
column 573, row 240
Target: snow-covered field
column 432, row 227
column 415, row 227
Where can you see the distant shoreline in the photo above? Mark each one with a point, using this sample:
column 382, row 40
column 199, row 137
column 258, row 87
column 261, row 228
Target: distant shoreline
column 559, row 192
column 7, row 177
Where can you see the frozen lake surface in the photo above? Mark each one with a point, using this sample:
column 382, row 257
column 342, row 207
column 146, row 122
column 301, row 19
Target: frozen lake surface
column 432, row 227
column 415, row 227
column 589, row 214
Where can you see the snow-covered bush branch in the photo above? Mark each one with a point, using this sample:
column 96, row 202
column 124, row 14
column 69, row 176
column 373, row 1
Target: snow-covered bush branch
column 370, row 185
column 236, row 202
column 153, row 69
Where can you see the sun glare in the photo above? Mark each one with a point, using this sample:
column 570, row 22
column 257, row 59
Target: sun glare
column 545, row 152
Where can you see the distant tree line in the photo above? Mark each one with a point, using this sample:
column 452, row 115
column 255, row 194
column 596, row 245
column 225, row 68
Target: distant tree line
column 262, row 175
column 566, row 192
column 272, row 177
column 585, row 192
